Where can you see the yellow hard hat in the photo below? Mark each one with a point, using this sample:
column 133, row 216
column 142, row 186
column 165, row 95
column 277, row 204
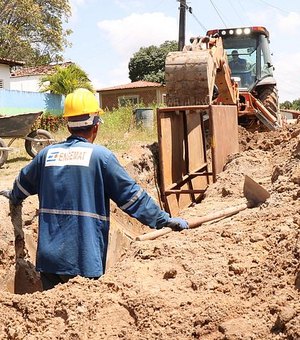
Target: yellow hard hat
column 81, row 102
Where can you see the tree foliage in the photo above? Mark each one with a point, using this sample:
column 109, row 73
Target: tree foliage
column 32, row 30
column 65, row 80
column 286, row 105
column 149, row 62
column 294, row 105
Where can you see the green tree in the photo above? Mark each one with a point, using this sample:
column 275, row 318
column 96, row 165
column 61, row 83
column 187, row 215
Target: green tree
column 149, row 62
column 286, row 105
column 296, row 104
column 65, row 80
column 32, row 30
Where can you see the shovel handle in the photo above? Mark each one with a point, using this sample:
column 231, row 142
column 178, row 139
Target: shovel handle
column 197, row 221
column 154, row 234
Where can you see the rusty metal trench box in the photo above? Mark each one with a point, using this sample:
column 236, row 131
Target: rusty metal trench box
column 194, row 143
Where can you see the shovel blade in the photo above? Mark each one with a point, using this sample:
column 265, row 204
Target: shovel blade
column 255, row 192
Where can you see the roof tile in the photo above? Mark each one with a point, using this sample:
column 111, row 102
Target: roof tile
column 133, row 85
column 37, row 70
column 11, row 62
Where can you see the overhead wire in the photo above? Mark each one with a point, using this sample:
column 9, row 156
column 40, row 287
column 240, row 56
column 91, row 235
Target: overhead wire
column 241, row 5
column 268, row 4
column 217, row 11
column 190, row 10
column 236, row 12
column 198, row 21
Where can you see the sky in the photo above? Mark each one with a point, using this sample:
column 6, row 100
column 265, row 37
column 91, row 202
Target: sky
column 106, row 34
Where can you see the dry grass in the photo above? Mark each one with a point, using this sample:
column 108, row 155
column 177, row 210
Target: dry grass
column 119, row 133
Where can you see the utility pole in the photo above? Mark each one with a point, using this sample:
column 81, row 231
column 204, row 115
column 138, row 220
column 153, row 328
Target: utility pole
column 181, row 38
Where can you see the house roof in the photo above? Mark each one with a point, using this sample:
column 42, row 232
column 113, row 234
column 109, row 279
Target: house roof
column 11, row 62
column 133, row 85
column 38, row 70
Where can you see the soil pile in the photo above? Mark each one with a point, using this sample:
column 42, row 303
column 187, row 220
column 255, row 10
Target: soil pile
column 235, row 278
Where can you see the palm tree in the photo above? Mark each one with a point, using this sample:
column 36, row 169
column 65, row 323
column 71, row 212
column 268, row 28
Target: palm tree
column 65, row 80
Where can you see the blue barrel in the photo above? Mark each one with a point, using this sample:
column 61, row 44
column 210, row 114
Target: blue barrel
column 144, row 118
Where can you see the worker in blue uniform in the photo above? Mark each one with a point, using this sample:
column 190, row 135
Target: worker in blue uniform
column 74, row 181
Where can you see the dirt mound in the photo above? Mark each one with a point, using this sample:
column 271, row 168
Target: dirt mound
column 235, row 278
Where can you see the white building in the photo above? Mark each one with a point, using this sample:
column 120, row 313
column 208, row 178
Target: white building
column 28, row 78
column 5, row 71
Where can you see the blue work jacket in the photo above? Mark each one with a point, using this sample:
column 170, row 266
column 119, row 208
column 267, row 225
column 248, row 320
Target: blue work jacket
column 74, row 181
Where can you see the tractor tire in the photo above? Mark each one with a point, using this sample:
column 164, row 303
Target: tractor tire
column 34, row 147
column 268, row 95
column 3, row 153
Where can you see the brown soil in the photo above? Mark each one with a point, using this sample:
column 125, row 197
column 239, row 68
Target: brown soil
column 235, row 278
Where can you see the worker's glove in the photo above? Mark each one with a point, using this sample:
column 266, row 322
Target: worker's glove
column 177, row 223
column 6, row 193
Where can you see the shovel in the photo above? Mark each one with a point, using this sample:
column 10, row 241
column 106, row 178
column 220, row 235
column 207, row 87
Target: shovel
column 254, row 193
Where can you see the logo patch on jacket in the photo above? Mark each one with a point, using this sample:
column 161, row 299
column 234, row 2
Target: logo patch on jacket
column 72, row 156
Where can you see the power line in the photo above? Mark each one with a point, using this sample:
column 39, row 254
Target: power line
column 198, row 21
column 241, row 5
column 190, row 10
column 236, row 12
column 280, row 9
column 218, row 13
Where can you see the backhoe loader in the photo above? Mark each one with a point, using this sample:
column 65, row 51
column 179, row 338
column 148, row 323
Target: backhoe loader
column 203, row 74
column 208, row 95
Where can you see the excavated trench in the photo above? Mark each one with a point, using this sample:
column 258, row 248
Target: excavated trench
column 19, row 226
column 18, row 233
column 235, row 278
column 21, row 277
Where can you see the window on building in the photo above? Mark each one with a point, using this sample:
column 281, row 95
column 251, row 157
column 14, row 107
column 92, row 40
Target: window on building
column 128, row 100
column 1, row 84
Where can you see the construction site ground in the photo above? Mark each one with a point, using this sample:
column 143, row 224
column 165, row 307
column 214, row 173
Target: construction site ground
column 235, row 278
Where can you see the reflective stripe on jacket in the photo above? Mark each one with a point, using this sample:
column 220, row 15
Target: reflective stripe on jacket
column 74, row 181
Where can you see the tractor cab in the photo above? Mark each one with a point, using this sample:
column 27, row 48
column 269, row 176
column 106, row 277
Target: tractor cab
column 248, row 55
